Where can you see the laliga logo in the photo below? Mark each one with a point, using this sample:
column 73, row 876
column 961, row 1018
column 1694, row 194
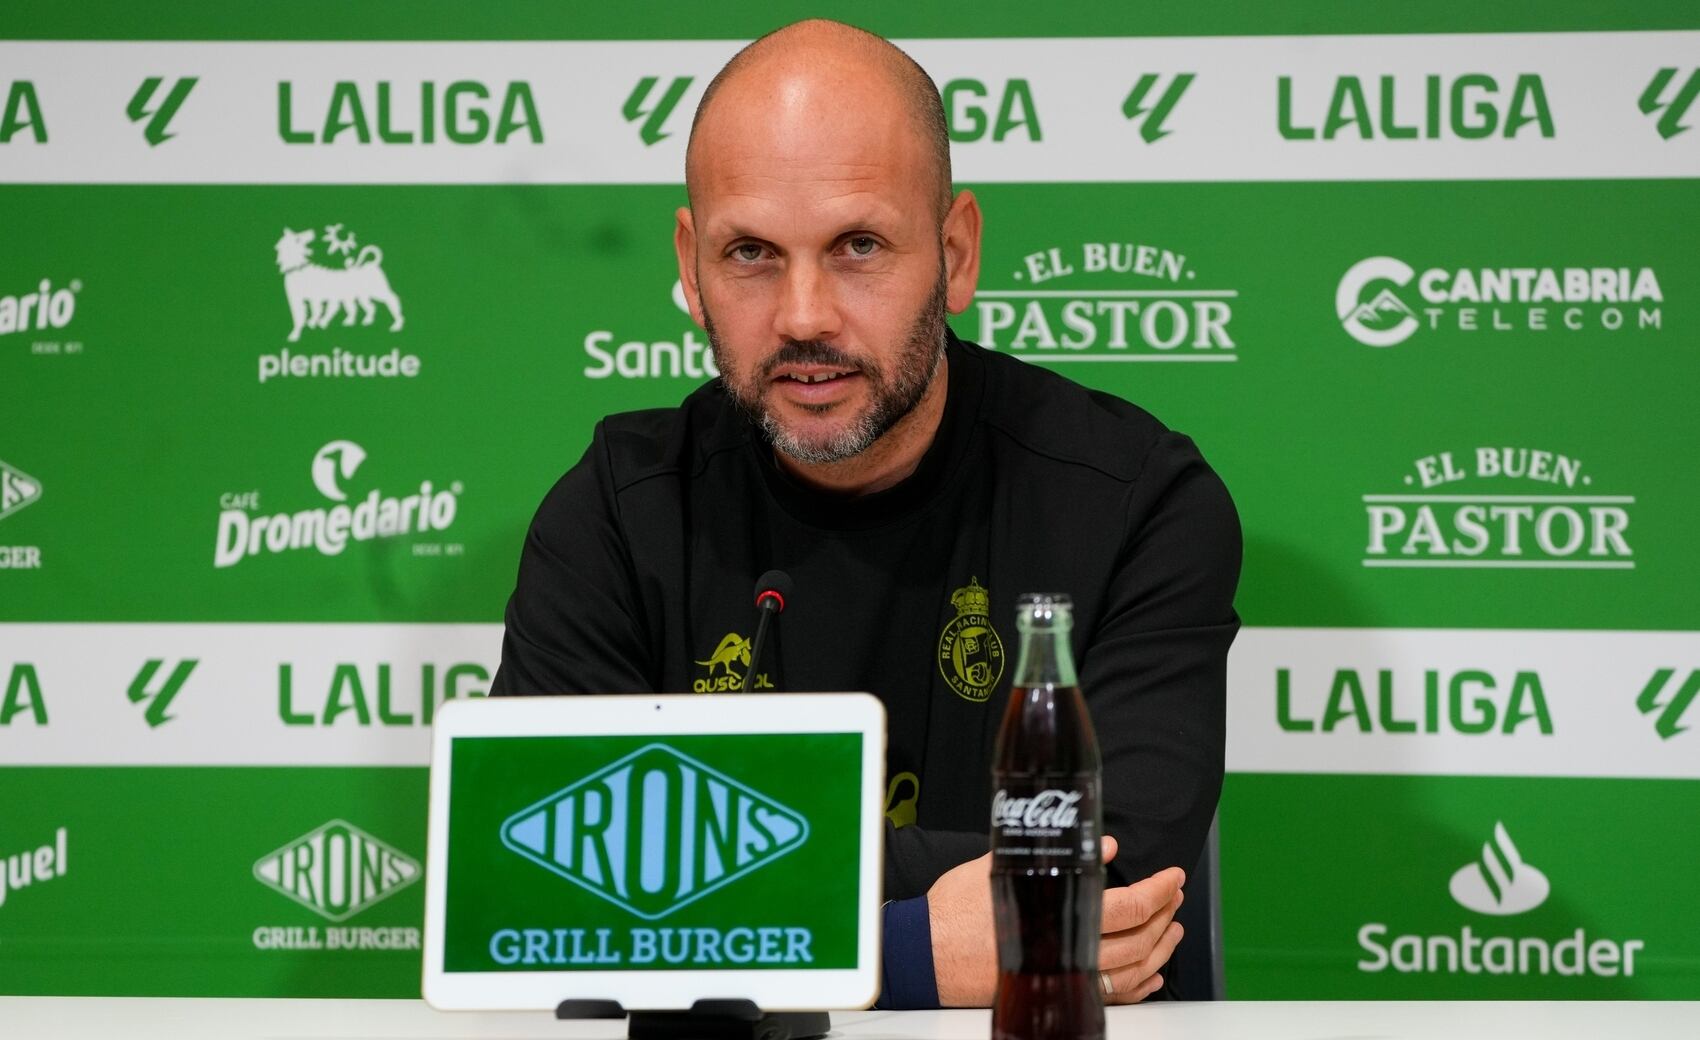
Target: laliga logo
column 1499, row 883
column 1385, row 320
column 337, row 456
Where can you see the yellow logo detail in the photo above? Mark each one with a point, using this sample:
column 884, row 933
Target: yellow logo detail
column 733, row 649
column 971, row 655
column 901, row 811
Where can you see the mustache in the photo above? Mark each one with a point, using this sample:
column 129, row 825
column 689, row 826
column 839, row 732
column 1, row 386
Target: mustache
column 809, row 352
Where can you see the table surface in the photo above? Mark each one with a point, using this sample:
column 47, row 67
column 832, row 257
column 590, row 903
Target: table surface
column 130, row 1018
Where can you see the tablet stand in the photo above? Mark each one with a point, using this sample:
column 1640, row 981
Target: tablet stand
column 706, row 1020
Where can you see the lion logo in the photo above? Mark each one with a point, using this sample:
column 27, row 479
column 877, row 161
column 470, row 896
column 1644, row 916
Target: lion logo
column 971, row 655
column 317, row 292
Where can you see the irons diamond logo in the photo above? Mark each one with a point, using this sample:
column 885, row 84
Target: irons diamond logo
column 654, row 831
column 337, row 870
column 17, row 489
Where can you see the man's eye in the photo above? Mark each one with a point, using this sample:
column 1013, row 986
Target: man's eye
column 747, row 251
column 863, row 245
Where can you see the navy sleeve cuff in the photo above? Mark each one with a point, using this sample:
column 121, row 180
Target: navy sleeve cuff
column 907, row 957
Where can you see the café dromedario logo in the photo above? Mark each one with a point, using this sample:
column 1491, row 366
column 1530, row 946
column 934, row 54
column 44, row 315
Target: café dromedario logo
column 245, row 531
column 1383, row 301
column 336, row 288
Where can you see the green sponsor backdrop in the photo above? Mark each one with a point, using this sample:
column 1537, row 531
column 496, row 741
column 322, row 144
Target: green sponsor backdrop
column 145, row 417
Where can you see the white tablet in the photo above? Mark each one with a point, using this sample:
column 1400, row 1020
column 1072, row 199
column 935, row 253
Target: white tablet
column 655, row 850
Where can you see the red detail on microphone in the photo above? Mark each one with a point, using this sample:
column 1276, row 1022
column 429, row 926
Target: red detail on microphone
column 771, row 594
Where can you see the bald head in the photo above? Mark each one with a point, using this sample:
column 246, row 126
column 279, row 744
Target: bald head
column 823, row 72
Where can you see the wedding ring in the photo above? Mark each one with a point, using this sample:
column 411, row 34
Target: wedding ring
column 1104, row 982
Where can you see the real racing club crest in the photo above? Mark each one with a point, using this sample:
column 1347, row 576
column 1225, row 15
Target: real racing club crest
column 971, row 655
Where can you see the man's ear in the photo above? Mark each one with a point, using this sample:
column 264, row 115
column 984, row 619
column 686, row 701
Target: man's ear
column 961, row 242
column 685, row 245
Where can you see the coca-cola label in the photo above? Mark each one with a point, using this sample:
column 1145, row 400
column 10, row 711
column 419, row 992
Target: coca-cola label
column 1049, row 819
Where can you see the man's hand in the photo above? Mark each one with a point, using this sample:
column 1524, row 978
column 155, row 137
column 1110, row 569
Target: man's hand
column 1139, row 933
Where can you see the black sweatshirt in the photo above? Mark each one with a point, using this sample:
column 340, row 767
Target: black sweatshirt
column 637, row 575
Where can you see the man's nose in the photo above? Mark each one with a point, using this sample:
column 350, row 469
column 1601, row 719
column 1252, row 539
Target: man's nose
column 808, row 306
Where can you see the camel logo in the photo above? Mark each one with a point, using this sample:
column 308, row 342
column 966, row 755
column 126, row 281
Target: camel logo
column 1499, row 883
column 337, row 870
column 654, row 831
column 731, row 659
column 337, row 457
column 971, row 655
column 317, row 292
column 17, row 490
column 1383, row 320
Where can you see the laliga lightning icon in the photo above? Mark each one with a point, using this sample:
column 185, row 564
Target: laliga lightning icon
column 1384, row 320
column 1500, row 883
column 342, row 457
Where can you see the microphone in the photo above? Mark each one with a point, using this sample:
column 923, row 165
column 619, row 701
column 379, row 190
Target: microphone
column 772, row 590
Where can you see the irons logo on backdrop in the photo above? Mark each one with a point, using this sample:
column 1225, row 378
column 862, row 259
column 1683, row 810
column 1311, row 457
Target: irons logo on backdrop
column 1499, row 507
column 1105, row 302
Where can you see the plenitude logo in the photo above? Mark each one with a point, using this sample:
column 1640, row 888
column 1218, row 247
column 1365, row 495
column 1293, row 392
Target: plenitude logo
column 1383, row 301
column 242, row 534
column 321, row 294
column 1499, row 507
column 651, row 832
column 1500, row 884
column 336, row 870
column 1097, row 317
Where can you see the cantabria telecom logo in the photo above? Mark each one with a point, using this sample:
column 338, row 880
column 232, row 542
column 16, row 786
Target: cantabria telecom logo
column 336, row 870
column 1384, row 301
column 1499, row 884
column 334, row 296
column 654, row 831
column 1499, row 507
column 1106, row 302
column 243, row 534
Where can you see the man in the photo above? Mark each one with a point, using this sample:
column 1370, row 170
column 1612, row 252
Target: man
column 913, row 485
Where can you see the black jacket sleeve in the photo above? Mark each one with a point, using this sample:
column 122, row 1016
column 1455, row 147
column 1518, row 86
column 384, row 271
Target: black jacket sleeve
column 574, row 624
column 914, row 858
column 1154, row 670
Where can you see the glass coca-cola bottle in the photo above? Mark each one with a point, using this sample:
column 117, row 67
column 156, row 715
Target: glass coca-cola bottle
column 1047, row 871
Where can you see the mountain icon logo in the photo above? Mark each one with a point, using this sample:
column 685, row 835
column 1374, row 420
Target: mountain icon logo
column 1384, row 320
column 1500, row 883
column 1383, row 312
column 654, row 831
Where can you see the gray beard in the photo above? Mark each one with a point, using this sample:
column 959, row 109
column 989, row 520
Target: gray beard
column 917, row 364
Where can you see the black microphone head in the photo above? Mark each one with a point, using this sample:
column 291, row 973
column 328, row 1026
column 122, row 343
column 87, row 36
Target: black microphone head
column 774, row 586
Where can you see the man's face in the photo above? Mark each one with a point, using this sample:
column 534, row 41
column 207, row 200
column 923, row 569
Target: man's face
column 819, row 273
